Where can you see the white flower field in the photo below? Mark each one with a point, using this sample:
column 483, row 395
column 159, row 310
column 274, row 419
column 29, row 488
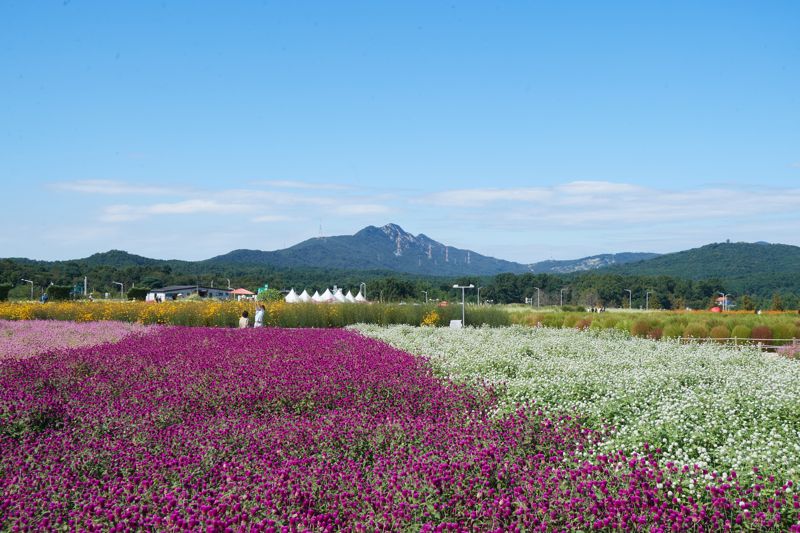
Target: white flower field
column 717, row 407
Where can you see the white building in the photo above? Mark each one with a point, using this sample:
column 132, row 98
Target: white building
column 175, row 292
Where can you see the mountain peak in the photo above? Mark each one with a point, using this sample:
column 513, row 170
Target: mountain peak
column 393, row 231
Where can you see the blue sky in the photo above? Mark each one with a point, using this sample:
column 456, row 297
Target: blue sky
column 522, row 130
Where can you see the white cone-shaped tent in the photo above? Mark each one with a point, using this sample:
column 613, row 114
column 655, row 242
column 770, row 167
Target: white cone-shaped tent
column 339, row 297
column 304, row 297
column 350, row 298
column 316, row 298
column 292, row 297
column 360, row 298
column 326, row 296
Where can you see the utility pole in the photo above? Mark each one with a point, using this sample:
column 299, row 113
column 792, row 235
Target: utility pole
column 463, row 288
column 29, row 281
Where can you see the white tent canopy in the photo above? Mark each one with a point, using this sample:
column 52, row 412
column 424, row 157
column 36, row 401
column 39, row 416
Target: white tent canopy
column 327, row 296
column 338, row 296
column 316, row 298
column 350, row 298
column 360, row 297
column 292, row 297
column 304, row 297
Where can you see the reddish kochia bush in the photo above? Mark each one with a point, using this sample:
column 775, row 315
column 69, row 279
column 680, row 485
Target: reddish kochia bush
column 268, row 429
column 640, row 328
column 761, row 332
column 655, row 333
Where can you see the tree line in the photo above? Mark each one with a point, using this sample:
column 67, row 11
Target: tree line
column 588, row 289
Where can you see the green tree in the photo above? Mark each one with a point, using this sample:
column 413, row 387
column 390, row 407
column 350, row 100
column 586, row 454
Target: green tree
column 746, row 303
column 777, row 302
column 269, row 295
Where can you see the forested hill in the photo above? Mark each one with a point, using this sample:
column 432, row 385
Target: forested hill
column 386, row 248
column 752, row 268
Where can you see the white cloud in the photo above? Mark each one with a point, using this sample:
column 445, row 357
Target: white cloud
column 485, row 196
column 115, row 188
column 273, row 218
column 589, row 204
column 191, row 207
column 289, row 184
column 360, row 209
column 593, row 188
column 124, row 212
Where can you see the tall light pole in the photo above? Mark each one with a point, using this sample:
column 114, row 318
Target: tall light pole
column 479, row 295
column 29, row 281
column 229, row 282
column 647, row 300
column 538, row 290
column 363, row 285
column 121, row 289
column 630, row 298
column 426, row 296
column 463, row 288
column 562, row 295
column 724, row 300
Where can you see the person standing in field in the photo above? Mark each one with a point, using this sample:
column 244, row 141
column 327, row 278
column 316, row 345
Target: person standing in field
column 259, row 318
column 244, row 321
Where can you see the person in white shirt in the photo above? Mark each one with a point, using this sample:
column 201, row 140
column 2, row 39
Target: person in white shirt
column 259, row 318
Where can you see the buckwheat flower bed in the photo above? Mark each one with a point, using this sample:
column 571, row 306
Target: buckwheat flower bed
column 321, row 430
column 723, row 409
column 20, row 339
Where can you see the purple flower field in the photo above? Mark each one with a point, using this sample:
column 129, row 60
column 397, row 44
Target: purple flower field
column 20, row 339
column 321, row 430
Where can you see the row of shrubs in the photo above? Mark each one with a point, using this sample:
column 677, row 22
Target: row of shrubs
column 227, row 313
column 654, row 325
column 774, row 328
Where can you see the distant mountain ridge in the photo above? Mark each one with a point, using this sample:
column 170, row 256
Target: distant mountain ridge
column 721, row 260
column 759, row 269
column 389, row 247
column 589, row 263
column 386, row 248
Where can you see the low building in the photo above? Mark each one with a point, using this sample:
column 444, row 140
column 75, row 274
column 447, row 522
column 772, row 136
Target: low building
column 176, row 292
column 242, row 294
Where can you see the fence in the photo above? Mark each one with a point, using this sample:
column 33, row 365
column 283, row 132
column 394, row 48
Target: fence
column 790, row 345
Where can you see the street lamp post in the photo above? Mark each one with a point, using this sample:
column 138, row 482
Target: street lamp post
column 29, row 281
column 463, row 288
column 121, row 289
column 363, row 285
column 229, row 282
column 724, row 300
column 538, row 291
column 647, row 300
column 426, row 296
column 479, row 295
column 562, row 295
column 630, row 298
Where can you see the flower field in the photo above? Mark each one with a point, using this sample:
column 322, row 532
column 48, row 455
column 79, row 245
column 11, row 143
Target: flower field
column 720, row 408
column 322, row 430
column 22, row 339
column 226, row 313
